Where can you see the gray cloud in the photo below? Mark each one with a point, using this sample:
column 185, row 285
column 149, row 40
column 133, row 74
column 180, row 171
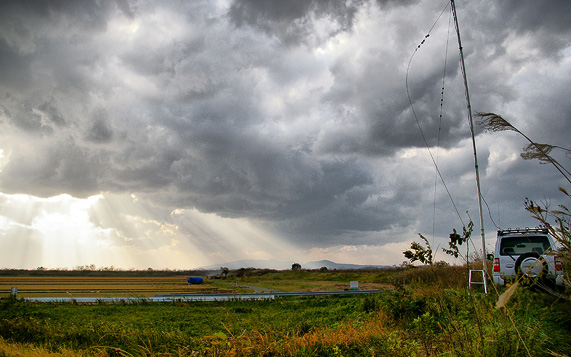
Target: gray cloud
column 99, row 130
column 293, row 21
column 292, row 114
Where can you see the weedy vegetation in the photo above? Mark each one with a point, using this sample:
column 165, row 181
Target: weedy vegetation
column 428, row 311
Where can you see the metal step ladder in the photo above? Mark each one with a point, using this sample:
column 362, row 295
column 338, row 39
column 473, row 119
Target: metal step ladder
column 482, row 282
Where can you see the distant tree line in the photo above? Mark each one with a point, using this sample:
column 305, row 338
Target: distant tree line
column 102, row 272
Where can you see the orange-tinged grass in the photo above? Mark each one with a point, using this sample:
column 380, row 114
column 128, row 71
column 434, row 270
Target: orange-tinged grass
column 346, row 335
column 355, row 335
column 8, row 349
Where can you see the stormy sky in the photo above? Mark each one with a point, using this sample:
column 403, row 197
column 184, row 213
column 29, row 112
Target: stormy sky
column 178, row 134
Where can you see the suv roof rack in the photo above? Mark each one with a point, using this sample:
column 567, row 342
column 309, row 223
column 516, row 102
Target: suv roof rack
column 503, row 232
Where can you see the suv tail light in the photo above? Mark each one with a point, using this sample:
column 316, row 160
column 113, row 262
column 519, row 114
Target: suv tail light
column 497, row 264
column 558, row 265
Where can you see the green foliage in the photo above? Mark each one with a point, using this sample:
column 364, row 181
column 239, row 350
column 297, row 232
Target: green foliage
column 457, row 240
column 370, row 304
column 402, row 305
column 419, row 253
column 424, row 255
column 424, row 316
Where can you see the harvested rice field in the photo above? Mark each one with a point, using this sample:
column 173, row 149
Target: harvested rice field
column 104, row 286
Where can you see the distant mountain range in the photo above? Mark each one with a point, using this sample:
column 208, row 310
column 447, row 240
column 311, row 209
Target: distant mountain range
column 281, row 265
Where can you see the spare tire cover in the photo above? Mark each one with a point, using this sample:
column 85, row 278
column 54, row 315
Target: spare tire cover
column 530, row 265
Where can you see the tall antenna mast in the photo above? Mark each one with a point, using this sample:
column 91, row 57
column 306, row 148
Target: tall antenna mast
column 463, row 67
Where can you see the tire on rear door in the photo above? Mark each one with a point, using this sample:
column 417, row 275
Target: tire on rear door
column 535, row 269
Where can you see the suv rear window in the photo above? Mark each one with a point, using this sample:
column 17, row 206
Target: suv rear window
column 524, row 244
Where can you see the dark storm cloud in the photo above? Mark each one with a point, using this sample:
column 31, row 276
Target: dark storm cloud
column 52, row 113
column 48, row 168
column 521, row 36
column 290, row 113
column 90, row 15
column 14, row 65
column 529, row 15
column 291, row 21
column 100, row 130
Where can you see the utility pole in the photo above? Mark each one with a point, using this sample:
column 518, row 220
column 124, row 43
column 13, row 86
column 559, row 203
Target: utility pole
column 463, row 67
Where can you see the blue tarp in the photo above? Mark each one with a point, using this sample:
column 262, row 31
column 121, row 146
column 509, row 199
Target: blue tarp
column 195, row 280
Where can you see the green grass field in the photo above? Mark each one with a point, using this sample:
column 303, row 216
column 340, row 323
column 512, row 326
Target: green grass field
column 427, row 312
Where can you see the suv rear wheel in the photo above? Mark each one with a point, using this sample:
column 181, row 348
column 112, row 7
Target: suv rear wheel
column 531, row 266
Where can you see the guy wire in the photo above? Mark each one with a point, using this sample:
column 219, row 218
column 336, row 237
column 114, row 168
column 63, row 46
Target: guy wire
column 440, row 124
column 418, row 121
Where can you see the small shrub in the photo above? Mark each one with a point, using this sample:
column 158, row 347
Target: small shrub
column 370, row 304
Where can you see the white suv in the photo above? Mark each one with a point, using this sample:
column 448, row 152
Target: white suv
column 531, row 252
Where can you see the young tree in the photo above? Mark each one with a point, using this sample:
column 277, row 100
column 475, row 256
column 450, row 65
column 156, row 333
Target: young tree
column 424, row 254
column 420, row 253
column 456, row 240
